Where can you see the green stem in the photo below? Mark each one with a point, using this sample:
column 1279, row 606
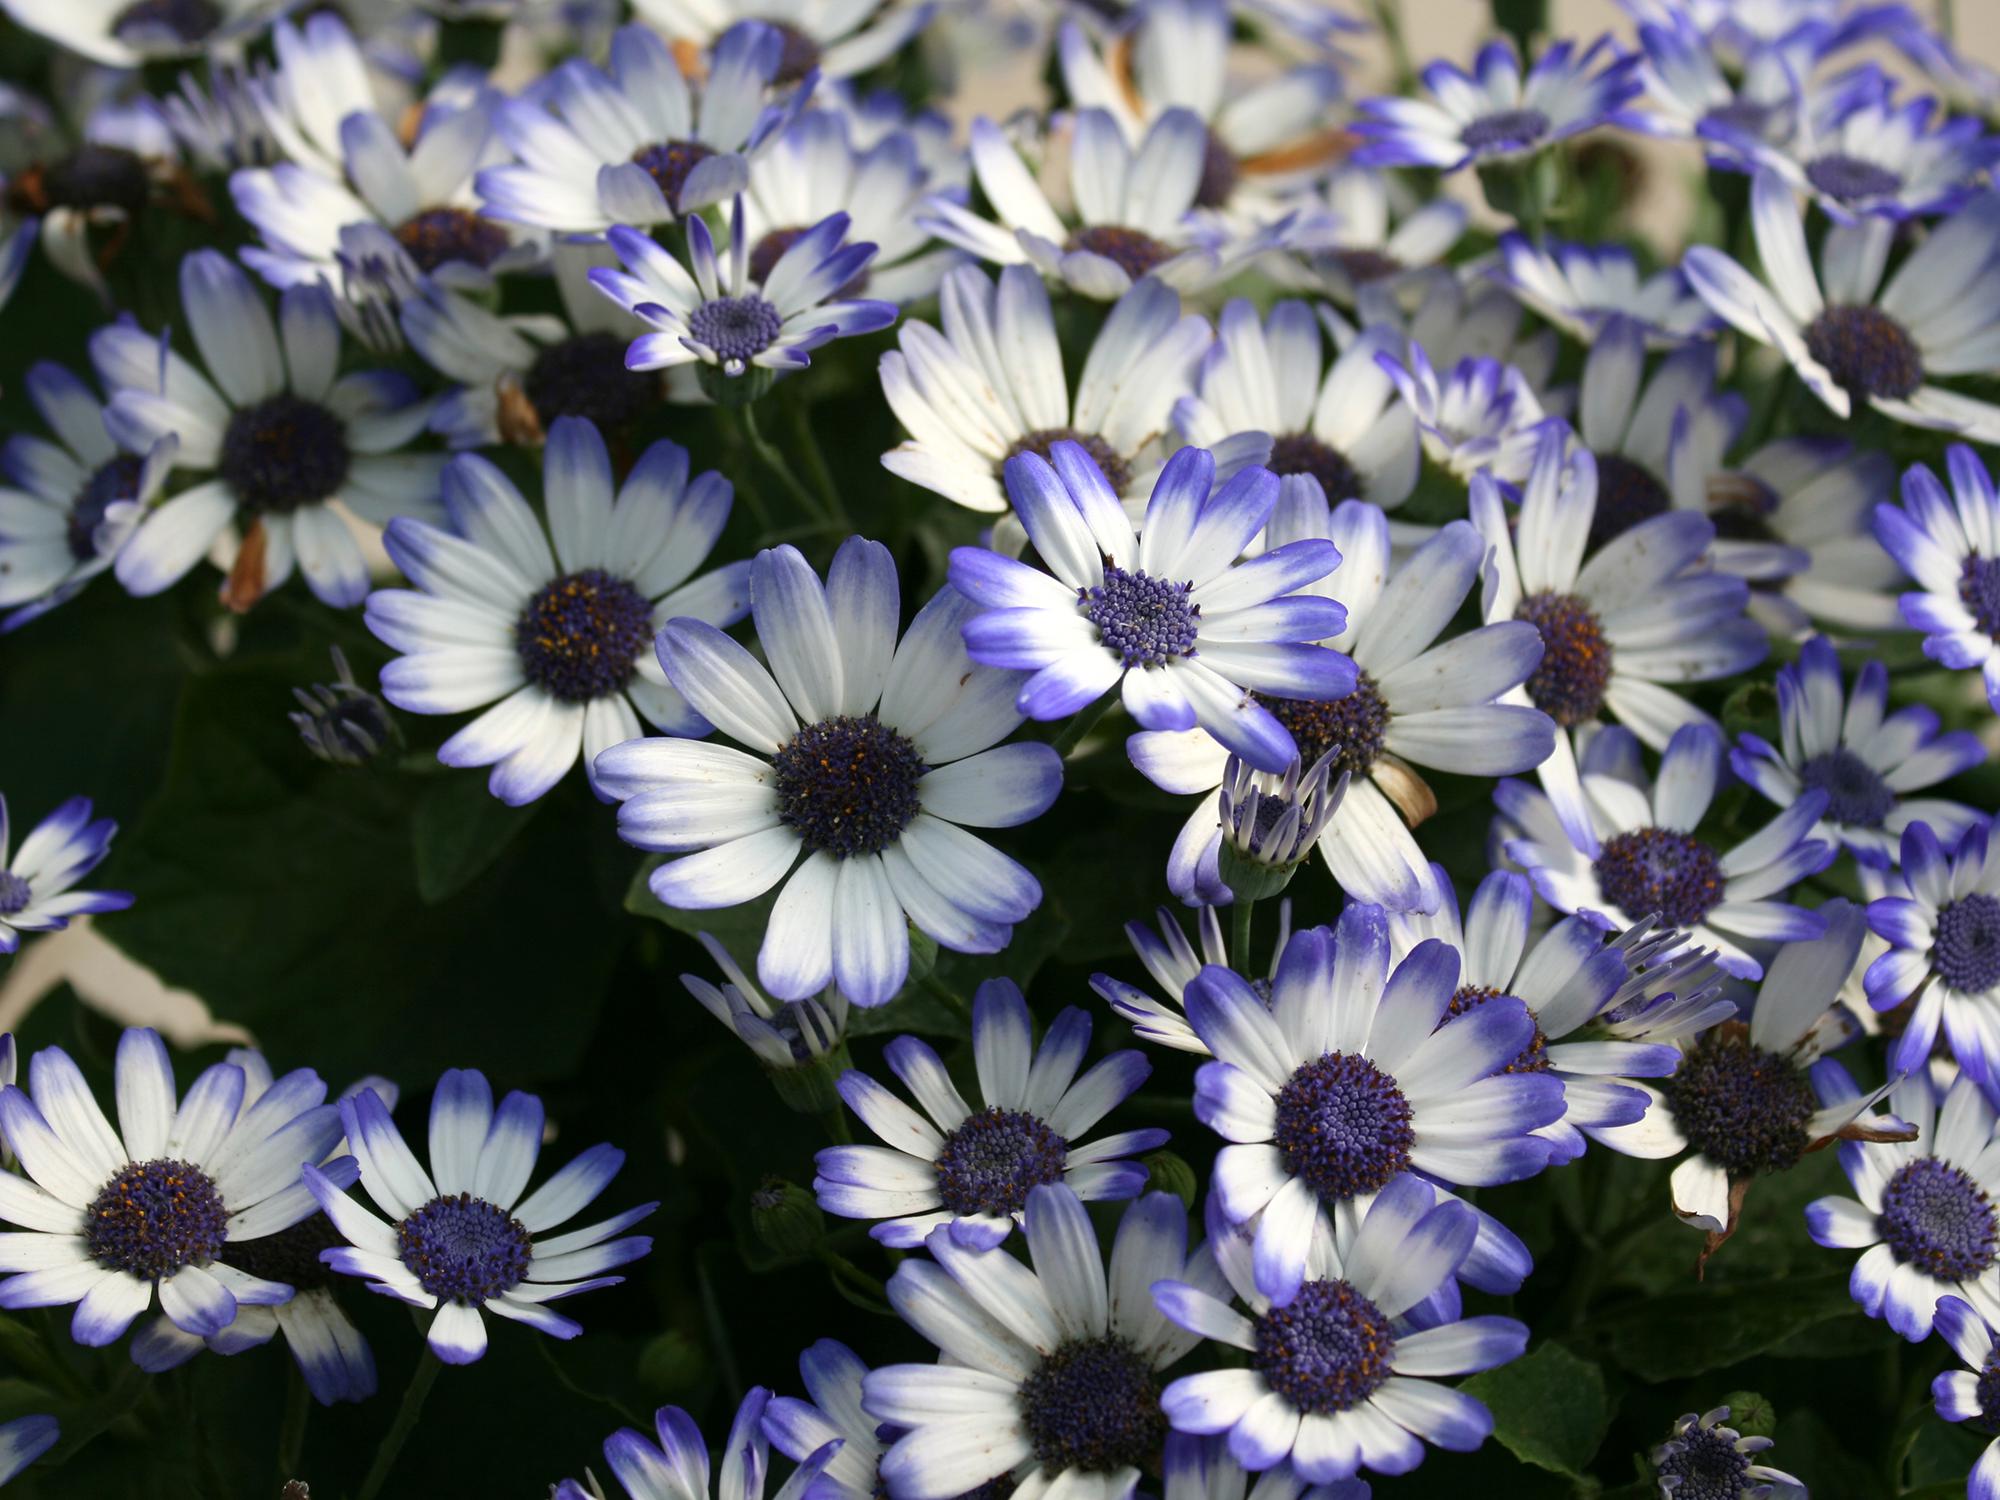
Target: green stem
column 421, row 1380
column 834, row 1123
column 936, row 986
column 546, row 1348
column 773, row 460
column 292, row 1436
column 1948, row 21
column 1081, row 723
column 1239, row 934
column 1389, row 20
column 808, row 444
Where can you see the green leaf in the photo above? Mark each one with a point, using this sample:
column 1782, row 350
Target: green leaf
column 459, row 829
column 1549, row 1408
column 1705, row 1327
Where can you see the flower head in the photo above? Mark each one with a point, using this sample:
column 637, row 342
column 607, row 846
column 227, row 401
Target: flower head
column 819, row 37
column 1703, row 1458
column 1971, row 1394
column 35, row 883
column 1944, row 948
column 1886, row 160
column 1951, row 546
column 673, row 1464
column 24, row 1440
column 1581, row 288
column 1174, row 962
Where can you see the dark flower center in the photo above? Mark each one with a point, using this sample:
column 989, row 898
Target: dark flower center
column 1988, row 1420
column 1133, row 250
column 1093, row 1405
column 1867, row 352
column 1655, row 870
column 1363, row 266
column 1979, row 592
column 1351, row 728
column 1116, row 471
column 1627, row 493
column 991, row 1162
column 96, row 176
column 1327, row 1351
column 1966, row 949
column 291, row 1255
column 284, row 452
column 585, row 376
column 15, row 893
column 166, row 21
column 1302, row 453
column 155, row 1217
column 1219, row 174
column 1147, row 621
column 439, row 236
column 579, row 636
column 1534, row 1057
column 669, row 164
column 1741, row 506
column 1508, row 130
column 1344, row 1126
column 1847, row 178
column 464, row 1249
column 799, row 56
column 1743, row 1108
column 738, row 329
column 114, row 480
column 1937, row 1218
column 848, row 785
column 1707, row 1465
column 1855, row 794
column 1569, row 682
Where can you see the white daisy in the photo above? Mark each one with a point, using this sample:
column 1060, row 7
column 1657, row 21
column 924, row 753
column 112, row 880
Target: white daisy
column 36, row 881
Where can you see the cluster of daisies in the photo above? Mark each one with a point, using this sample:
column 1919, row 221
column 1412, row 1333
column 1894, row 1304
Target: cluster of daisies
column 1250, row 464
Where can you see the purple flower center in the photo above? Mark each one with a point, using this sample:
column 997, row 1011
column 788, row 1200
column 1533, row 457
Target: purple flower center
column 1936, row 1218
column 1966, row 949
column 1365, row 265
column 669, row 164
column 995, row 1158
column 738, row 329
column 166, row 21
column 291, row 1255
column 1302, row 453
column 1743, row 1108
column 1351, row 728
column 1344, row 1126
column 1116, row 471
column 579, row 636
column 440, row 236
column 1219, row 174
column 155, row 1217
column 1705, row 1461
column 96, row 176
column 1505, row 130
column 1534, row 1057
column 1147, row 621
column 1327, row 1351
column 1855, row 793
column 848, row 785
column 1093, row 1405
column 1849, row 178
column 1656, row 870
column 1979, row 592
column 1867, row 352
column 15, row 893
column 1627, row 493
column 464, row 1249
column 114, row 480
column 284, row 452
column 1133, row 250
column 585, row 376
column 1568, row 684
column 798, row 56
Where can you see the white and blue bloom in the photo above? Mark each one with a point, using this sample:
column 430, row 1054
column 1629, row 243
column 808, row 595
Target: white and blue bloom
column 24, row 1440
column 1361, row 229
column 1581, row 288
column 1866, row 759
column 1951, row 546
column 1340, row 1375
column 162, row 1203
column 971, row 1170
column 35, row 884
column 1173, row 963
column 833, row 38
column 466, row 1238
column 1971, row 1394
column 1494, row 114
column 1203, row 1468
column 673, row 1465
column 1457, row 318
column 1164, row 609
column 1482, row 416
column 1718, row 1459
column 119, row 34
column 729, row 319
column 830, row 1413
column 784, row 1034
column 1885, row 160
column 320, row 78
column 863, row 756
column 1691, row 93
column 554, row 627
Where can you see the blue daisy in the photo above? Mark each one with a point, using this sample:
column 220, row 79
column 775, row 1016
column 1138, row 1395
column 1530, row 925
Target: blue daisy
column 1886, row 160
column 673, row 1463
column 35, row 883
column 1477, row 415
column 1717, row 1458
column 1174, row 962
column 1951, row 546
column 1971, row 1394
column 1581, row 288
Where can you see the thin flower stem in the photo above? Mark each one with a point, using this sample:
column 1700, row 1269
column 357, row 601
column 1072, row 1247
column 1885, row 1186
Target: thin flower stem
column 1239, row 934
column 808, row 444
column 292, row 1435
column 1389, row 20
column 1081, row 723
column 773, row 460
column 421, row 1381
column 959, row 1004
column 834, row 1123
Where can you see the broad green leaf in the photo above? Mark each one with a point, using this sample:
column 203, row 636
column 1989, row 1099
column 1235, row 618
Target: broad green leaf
column 1549, row 1408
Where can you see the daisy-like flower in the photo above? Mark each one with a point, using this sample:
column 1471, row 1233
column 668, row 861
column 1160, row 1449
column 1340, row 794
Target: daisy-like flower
column 1852, row 339
column 1581, row 288
column 1924, row 1217
column 320, row 78
column 1345, row 1080
column 1416, row 702
column 1339, row 1374
column 1951, row 547
column 989, row 383
column 35, row 884
column 554, row 628
column 827, row 37
column 1944, row 949
column 1363, row 229
column 1863, row 757
column 120, row 34
column 1048, row 1375
column 1477, row 416
column 1690, row 94
column 165, row 1202
column 636, row 145
column 673, row 1464
column 1971, row 1394
column 726, row 319
column 830, row 1412
column 1638, row 856
column 24, row 1440
column 332, row 1353
column 1703, row 1455
column 461, row 1238
column 77, row 500
column 1203, row 1468
column 1173, row 962
column 1133, row 207
column 276, row 436
column 971, row 1170
column 863, row 756
column 785, row 1034
column 1163, row 609
column 1887, row 160
column 1494, row 114
column 1457, row 318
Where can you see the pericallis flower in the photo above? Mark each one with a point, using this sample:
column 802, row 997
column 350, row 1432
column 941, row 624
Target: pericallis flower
column 1885, row 160
column 1203, row 1468
column 341, row 722
column 1639, row 855
column 35, row 894
column 1362, row 229
column 131, row 33
column 673, row 1464
column 971, row 1171
column 461, row 1238
column 1863, row 757
column 1494, row 114
column 24, row 1440
column 1581, row 288
column 784, row 1034
column 1350, row 1076
column 1478, row 416
column 1944, row 949
column 1338, row 1373
column 1704, row 1460
column 1416, row 702
column 1164, row 610
column 79, row 497
column 276, row 434
column 554, row 628
column 1048, row 1375
column 1951, row 547
column 862, row 756
column 1848, row 337
column 825, row 37
column 320, row 78
column 1457, row 319
column 1692, row 96
column 1972, row 1394
column 723, row 317
column 1924, row 1218
column 165, row 1202
column 1173, row 962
